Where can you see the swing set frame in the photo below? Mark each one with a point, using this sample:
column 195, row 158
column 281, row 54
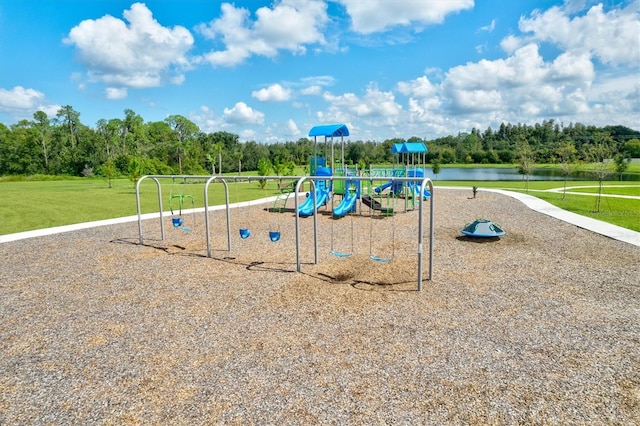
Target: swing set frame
column 298, row 193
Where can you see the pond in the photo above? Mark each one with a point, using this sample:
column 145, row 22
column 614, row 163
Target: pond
column 496, row 173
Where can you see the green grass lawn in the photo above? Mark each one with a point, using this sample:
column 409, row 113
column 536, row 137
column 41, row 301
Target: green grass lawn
column 37, row 204
column 610, row 189
column 618, row 211
column 32, row 205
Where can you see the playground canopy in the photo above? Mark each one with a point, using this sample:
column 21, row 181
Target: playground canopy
column 329, row 130
column 408, row 148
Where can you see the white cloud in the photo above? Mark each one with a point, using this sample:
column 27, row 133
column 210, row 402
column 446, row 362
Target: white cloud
column 311, row 90
column 207, row 120
column 523, row 85
column 289, row 25
column 421, row 87
column 273, row 93
column 313, row 85
column 511, row 43
column 241, row 113
column 292, row 128
column 611, row 37
column 21, row 103
column 490, row 27
column 573, row 6
column 375, row 107
column 139, row 54
column 115, row 92
column 20, row 98
column 378, row 15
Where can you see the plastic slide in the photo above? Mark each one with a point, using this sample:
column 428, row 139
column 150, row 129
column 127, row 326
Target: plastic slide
column 383, row 187
column 347, row 204
column 322, row 196
column 416, row 191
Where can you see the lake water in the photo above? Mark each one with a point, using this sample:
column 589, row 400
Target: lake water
column 489, row 173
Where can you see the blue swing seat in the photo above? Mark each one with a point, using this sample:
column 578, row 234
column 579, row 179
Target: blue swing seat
column 274, row 236
column 244, row 233
column 380, row 259
column 338, row 254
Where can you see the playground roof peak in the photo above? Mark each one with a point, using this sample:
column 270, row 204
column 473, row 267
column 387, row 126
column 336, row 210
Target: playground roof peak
column 408, row 147
column 329, row 130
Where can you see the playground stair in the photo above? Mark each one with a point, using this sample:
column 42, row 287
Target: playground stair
column 280, row 203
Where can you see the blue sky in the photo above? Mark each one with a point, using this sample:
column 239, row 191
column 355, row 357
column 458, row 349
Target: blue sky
column 269, row 71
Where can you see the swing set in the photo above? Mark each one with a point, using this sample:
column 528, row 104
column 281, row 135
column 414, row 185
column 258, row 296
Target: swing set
column 274, row 235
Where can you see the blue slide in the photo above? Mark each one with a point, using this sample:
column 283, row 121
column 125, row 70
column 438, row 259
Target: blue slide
column 348, row 204
column 383, row 187
column 416, row 190
column 322, row 196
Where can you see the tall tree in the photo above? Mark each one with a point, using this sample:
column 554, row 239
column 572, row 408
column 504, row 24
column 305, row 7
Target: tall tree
column 184, row 130
column 70, row 121
column 43, row 128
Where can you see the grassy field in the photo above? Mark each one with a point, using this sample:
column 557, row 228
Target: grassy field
column 32, row 205
column 37, row 204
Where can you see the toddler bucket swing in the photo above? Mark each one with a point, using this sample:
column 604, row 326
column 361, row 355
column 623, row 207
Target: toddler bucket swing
column 178, row 221
column 244, row 230
column 274, row 231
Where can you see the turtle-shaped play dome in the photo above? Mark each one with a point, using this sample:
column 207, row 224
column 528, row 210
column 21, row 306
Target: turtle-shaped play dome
column 483, row 228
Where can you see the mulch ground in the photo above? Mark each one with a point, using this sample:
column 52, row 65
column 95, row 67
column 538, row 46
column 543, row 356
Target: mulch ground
column 541, row 326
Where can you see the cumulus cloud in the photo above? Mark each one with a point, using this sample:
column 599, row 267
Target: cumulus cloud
column 21, row 103
column 521, row 85
column 421, row 87
column 289, row 25
column 138, row 53
column 292, row 128
column 20, row 98
column 273, row 93
column 611, row 37
column 115, row 92
column 378, row 15
column 241, row 113
column 374, row 105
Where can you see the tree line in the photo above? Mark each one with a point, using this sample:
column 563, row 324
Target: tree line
column 63, row 145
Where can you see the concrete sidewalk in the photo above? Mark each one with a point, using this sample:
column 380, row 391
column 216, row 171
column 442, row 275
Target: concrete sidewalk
column 598, row 226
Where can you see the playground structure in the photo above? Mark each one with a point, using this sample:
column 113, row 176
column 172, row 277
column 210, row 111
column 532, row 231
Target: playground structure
column 411, row 155
column 298, row 194
column 325, row 183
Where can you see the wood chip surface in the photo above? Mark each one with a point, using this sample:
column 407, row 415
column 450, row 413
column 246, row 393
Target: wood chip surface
column 541, row 326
